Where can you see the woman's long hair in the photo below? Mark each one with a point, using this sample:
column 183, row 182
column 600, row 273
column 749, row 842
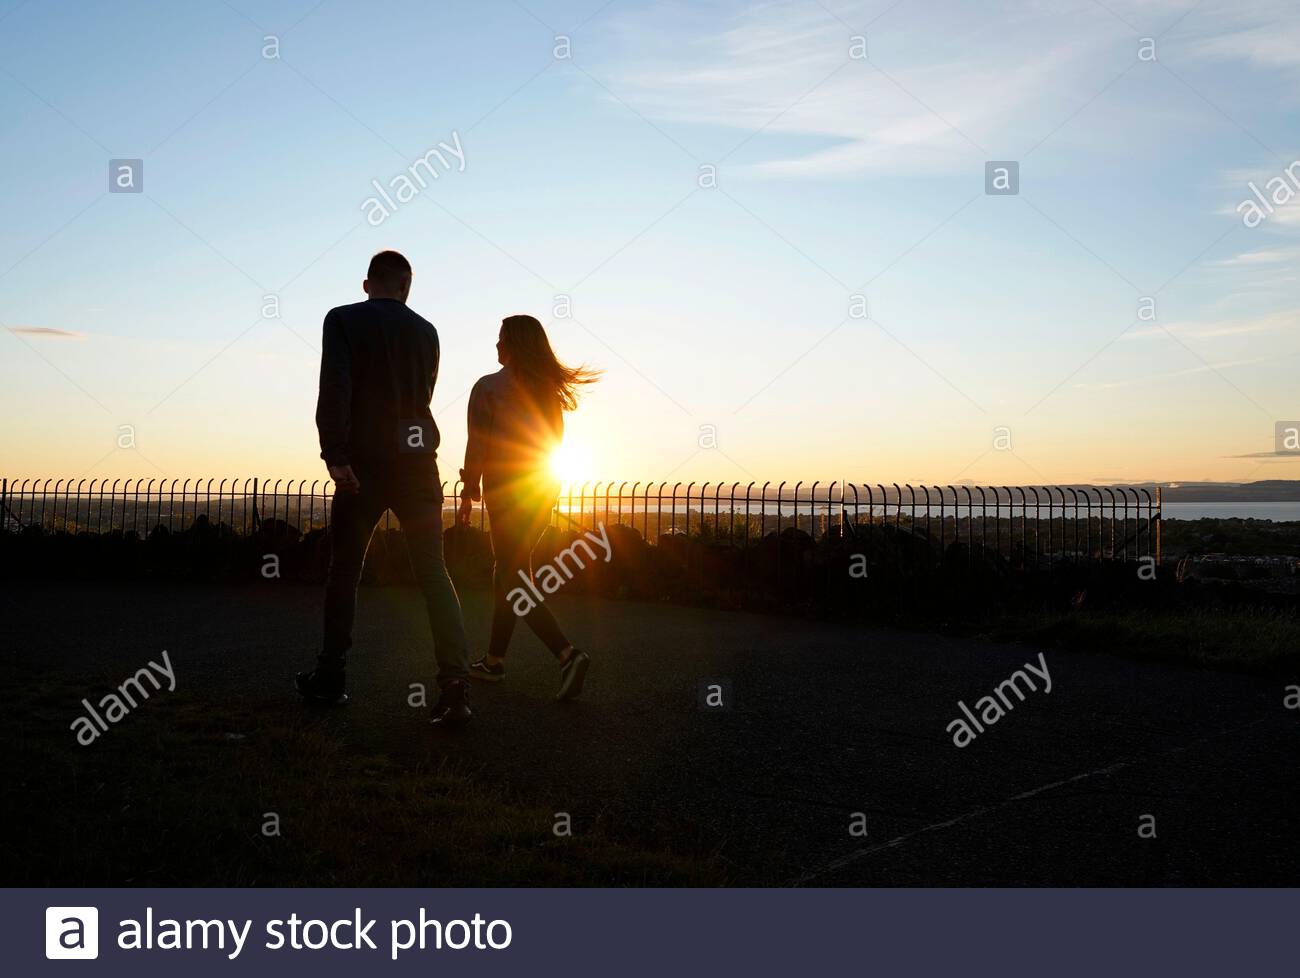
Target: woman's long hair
column 534, row 360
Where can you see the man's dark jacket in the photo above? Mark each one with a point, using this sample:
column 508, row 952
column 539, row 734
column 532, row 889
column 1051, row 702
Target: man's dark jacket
column 379, row 364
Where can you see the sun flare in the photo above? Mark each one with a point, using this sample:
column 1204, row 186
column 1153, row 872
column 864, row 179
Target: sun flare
column 571, row 463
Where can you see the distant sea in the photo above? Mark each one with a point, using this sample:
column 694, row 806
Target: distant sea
column 1278, row 512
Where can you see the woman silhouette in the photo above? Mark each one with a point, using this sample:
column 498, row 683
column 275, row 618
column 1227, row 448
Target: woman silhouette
column 516, row 421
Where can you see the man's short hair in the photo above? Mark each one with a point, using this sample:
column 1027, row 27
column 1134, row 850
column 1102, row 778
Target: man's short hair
column 389, row 268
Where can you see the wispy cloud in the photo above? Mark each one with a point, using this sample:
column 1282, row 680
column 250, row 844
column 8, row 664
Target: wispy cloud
column 1285, row 216
column 784, row 68
column 1274, row 256
column 1170, row 374
column 1262, row 32
column 1272, row 322
column 1267, row 271
column 45, row 332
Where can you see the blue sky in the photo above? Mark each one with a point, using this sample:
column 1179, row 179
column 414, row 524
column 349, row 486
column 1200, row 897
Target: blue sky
column 722, row 306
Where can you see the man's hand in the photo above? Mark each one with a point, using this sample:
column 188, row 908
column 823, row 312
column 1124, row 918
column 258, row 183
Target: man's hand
column 345, row 478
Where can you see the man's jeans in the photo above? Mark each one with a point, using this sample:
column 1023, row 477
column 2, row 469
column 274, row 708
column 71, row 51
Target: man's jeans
column 352, row 521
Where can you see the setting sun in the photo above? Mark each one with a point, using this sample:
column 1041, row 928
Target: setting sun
column 571, row 463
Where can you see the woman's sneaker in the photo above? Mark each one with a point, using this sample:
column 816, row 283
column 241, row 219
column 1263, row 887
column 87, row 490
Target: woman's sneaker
column 572, row 674
column 485, row 673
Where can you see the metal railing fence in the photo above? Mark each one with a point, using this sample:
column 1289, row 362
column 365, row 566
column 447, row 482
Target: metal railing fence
column 1036, row 525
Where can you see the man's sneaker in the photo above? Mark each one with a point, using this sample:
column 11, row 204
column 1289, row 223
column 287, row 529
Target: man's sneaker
column 485, row 673
column 322, row 686
column 572, row 673
column 453, row 709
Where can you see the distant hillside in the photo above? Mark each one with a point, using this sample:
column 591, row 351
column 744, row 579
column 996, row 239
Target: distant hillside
column 1267, row 491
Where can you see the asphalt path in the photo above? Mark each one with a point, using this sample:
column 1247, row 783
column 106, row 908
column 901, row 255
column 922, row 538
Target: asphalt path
column 832, row 763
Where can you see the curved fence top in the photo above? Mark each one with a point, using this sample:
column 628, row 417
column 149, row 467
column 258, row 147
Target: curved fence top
column 1053, row 522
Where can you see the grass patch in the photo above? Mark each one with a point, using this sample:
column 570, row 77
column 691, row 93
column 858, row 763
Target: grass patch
column 176, row 795
column 1248, row 639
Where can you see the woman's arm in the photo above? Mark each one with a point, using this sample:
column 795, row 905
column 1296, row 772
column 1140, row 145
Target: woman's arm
column 476, row 445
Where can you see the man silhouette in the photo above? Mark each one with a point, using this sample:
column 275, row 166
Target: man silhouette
column 379, row 364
